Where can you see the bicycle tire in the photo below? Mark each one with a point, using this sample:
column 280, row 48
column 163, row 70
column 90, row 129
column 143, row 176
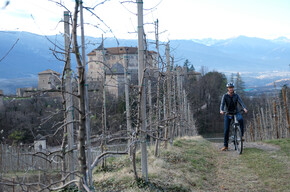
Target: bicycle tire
column 238, row 140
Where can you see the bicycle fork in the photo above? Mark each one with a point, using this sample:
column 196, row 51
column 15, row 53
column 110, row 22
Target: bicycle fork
column 235, row 127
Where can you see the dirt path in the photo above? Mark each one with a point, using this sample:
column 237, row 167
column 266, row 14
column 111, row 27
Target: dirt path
column 233, row 174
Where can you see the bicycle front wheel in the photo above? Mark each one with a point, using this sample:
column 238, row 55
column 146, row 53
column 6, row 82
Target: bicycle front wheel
column 238, row 140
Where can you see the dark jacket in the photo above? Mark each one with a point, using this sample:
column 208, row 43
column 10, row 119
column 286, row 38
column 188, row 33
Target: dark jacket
column 230, row 103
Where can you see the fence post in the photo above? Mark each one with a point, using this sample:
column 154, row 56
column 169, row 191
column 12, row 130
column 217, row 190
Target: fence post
column 259, row 126
column 39, row 180
column 17, row 158
column 1, row 159
column 286, row 109
column 252, row 132
column 276, row 119
column 13, row 185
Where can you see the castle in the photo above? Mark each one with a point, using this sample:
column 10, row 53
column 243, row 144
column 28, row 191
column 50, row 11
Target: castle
column 112, row 62
column 104, row 62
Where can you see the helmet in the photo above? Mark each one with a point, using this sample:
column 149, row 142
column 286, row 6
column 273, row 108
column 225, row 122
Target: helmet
column 230, row 85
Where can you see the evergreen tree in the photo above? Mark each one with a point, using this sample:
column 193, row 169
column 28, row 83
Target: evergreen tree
column 186, row 64
column 232, row 80
column 191, row 68
column 239, row 85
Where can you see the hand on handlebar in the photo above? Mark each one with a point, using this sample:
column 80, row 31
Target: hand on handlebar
column 245, row 110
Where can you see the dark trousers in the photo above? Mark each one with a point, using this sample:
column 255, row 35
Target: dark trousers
column 227, row 124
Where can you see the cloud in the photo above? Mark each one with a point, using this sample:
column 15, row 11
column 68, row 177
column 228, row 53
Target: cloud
column 19, row 14
column 9, row 86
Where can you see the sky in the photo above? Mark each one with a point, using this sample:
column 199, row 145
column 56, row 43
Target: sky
column 182, row 19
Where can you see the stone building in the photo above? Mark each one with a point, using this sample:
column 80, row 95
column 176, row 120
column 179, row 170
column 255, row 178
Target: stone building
column 113, row 61
column 185, row 74
column 39, row 143
column 48, row 80
column 25, row 92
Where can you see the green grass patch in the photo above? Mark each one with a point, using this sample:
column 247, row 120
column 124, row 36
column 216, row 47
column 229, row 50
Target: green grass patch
column 283, row 143
column 15, row 98
column 187, row 165
column 273, row 172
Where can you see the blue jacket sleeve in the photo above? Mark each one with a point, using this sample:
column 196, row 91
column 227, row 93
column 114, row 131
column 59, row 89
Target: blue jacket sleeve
column 241, row 102
column 222, row 103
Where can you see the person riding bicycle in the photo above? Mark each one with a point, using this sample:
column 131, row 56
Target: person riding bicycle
column 229, row 105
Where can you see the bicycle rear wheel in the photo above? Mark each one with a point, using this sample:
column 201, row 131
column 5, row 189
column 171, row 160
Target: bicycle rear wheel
column 238, row 140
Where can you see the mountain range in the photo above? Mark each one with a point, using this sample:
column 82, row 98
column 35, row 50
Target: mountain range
column 260, row 61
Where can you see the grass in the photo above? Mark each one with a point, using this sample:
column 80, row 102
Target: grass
column 283, row 143
column 195, row 164
column 272, row 168
column 187, row 165
column 15, row 98
column 29, row 173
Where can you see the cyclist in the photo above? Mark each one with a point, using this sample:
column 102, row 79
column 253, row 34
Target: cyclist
column 229, row 105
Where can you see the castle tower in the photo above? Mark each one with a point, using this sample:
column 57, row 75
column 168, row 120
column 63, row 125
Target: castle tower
column 48, row 80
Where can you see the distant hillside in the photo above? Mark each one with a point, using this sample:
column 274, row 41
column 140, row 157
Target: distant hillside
column 280, row 82
column 255, row 58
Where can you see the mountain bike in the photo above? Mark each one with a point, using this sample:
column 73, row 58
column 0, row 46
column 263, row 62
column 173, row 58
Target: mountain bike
column 236, row 133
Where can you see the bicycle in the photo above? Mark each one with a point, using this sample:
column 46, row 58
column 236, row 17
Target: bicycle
column 236, row 133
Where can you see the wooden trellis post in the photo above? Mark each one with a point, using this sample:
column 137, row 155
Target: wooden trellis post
column 259, row 126
column 286, row 109
column 276, row 119
column 252, row 132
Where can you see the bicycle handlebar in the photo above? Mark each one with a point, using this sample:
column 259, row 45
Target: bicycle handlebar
column 234, row 113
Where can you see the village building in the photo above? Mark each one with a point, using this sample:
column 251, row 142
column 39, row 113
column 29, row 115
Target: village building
column 48, row 80
column 112, row 62
column 24, row 92
column 39, row 143
column 191, row 73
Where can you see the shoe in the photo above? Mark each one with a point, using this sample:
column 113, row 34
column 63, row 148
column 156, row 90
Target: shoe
column 224, row 149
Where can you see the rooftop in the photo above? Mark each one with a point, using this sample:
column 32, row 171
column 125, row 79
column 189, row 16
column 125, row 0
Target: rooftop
column 118, row 50
column 49, row 71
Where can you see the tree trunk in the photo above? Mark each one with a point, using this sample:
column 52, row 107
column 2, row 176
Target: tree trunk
column 127, row 94
column 173, row 133
column 68, row 96
column 104, row 108
column 81, row 101
column 179, row 101
column 158, row 111
column 168, row 107
column 142, row 96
